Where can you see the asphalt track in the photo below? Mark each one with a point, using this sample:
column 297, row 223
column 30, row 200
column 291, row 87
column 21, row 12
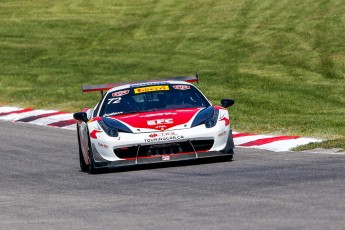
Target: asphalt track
column 41, row 187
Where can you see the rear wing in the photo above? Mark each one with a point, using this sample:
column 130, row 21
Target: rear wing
column 106, row 87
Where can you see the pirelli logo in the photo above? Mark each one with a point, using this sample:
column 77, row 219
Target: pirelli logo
column 151, row 89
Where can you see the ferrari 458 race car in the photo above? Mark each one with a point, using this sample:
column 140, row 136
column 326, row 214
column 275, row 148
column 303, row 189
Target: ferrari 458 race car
column 152, row 122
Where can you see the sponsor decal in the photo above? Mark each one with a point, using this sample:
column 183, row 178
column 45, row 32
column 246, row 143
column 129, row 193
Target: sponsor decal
column 164, row 138
column 120, row 93
column 181, row 87
column 153, row 135
column 221, row 134
column 156, row 122
column 103, row 145
column 151, row 89
column 113, row 114
column 165, row 158
column 148, row 84
column 115, row 100
column 158, row 114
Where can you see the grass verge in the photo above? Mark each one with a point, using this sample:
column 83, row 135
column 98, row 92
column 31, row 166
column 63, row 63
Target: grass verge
column 329, row 144
column 283, row 62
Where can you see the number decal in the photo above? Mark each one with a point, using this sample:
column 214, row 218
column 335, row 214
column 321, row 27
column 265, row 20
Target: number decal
column 114, row 100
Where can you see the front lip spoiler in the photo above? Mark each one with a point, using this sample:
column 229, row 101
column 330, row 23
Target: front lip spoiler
column 159, row 159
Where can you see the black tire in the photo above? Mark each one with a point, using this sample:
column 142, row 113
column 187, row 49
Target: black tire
column 91, row 167
column 83, row 166
column 230, row 155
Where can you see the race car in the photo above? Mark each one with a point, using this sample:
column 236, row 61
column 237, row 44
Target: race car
column 153, row 121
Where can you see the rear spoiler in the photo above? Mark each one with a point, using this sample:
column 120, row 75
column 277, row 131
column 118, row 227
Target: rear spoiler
column 106, row 87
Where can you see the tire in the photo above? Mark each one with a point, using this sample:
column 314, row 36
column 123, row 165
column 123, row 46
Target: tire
column 91, row 167
column 229, row 155
column 83, row 166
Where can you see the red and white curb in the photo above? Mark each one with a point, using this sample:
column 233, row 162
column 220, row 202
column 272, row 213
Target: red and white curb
column 51, row 118
column 64, row 120
column 269, row 142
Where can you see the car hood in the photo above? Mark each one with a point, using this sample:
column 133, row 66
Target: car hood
column 159, row 120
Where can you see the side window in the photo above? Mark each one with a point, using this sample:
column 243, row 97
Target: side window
column 97, row 108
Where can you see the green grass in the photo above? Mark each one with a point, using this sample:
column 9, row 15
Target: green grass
column 338, row 144
column 282, row 61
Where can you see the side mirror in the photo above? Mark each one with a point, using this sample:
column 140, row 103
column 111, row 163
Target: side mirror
column 227, row 102
column 81, row 116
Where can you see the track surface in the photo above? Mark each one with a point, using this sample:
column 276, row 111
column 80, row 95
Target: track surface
column 41, row 187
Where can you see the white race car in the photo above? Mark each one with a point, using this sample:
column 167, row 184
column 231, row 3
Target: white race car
column 152, row 122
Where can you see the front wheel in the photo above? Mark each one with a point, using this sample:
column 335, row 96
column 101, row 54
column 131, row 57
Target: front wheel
column 91, row 168
column 83, row 166
column 231, row 154
column 229, row 157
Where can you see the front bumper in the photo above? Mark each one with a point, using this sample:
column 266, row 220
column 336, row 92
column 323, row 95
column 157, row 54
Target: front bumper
column 180, row 157
column 137, row 159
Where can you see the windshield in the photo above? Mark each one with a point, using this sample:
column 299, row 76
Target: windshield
column 151, row 98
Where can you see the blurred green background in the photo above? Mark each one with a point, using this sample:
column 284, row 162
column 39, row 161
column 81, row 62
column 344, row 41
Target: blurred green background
column 282, row 61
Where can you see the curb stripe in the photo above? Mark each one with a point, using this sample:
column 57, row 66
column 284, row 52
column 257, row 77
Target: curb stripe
column 268, row 140
column 8, row 109
column 63, row 123
column 242, row 140
column 52, row 119
column 33, row 118
column 15, row 111
column 237, row 135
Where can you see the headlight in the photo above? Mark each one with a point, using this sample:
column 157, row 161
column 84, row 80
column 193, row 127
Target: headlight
column 213, row 120
column 112, row 132
column 112, row 127
column 208, row 116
